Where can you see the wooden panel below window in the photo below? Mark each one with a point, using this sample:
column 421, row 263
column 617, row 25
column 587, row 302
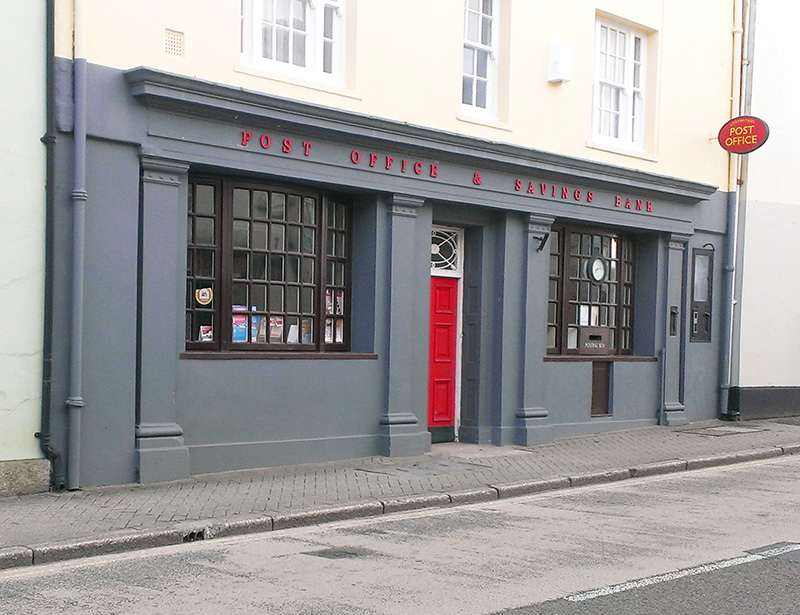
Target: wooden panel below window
column 601, row 380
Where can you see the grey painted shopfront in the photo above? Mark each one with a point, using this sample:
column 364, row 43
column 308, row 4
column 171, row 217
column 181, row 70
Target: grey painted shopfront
column 165, row 397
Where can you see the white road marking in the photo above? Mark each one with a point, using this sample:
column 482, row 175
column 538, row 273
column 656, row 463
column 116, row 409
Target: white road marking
column 679, row 574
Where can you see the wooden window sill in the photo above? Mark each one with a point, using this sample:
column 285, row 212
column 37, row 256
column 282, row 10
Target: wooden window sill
column 224, row 356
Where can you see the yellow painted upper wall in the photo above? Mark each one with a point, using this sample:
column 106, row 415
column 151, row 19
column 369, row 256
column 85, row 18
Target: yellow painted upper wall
column 404, row 63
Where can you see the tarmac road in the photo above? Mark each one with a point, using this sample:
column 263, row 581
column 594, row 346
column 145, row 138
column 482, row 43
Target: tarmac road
column 480, row 558
column 764, row 585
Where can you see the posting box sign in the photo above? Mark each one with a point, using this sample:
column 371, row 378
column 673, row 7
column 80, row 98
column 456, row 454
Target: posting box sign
column 593, row 340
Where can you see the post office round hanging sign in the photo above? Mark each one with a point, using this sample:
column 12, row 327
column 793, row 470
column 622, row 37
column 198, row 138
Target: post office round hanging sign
column 743, row 134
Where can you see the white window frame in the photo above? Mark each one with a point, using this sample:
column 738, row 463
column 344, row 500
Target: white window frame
column 323, row 40
column 475, row 45
column 619, row 85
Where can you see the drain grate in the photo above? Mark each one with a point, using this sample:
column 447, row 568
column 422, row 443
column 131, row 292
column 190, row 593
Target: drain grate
column 194, row 536
column 341, row 552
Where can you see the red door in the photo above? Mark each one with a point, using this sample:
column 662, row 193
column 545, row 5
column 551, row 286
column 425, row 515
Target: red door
column 442, row 359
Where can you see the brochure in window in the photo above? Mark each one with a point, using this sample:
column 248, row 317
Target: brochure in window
column 340, row 302
column 329, row 301
column 276, row 329
column 239, row 333
column 306, row 332
column 339, row 331
column 206, row 334
column 329, row 330
column 258, row 329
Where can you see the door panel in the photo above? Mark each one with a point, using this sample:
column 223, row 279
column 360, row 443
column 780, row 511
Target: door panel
column 442, row 356
column 471, row 337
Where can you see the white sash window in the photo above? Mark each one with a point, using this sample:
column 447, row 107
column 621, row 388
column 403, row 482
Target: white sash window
column 300, row 38
column 619, row 92
column 479, row 73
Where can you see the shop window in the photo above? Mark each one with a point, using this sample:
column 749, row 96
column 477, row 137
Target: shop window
column 479, row 76
column 300, row 38
column 590, row 292
column 702, row 272
column 267, row 268
column 619, row 89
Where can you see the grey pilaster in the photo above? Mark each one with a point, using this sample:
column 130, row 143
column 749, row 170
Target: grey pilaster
column 532, row 418
column 674, row 351
column 162, row 454
column 403, row 428
column 509, row 344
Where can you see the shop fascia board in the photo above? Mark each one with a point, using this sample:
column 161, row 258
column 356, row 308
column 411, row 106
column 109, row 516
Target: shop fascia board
column 176, row 93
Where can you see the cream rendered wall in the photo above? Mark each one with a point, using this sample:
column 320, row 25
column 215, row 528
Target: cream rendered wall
column 406, row 65
column 22, row 217
column 770, row 304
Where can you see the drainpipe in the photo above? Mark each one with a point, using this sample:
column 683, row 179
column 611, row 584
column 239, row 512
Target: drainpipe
column 57, row 482
column 75, row 403
column 732, row 223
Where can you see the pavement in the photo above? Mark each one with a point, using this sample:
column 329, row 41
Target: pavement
column 49, row 527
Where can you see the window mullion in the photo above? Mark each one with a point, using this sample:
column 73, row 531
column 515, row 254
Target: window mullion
column 224, row 308
column 566, row 288
column 628, row 88
column 257, row 30
column 322, row 266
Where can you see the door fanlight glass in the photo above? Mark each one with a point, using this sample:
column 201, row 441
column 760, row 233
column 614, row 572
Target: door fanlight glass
column 446, row 250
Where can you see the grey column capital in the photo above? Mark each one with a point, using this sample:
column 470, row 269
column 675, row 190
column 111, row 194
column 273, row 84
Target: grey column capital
column 678, row 241
column 162, row 171
column 539, row 224
column 406, row 205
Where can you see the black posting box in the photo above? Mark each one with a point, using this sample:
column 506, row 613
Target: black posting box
column 593, row 340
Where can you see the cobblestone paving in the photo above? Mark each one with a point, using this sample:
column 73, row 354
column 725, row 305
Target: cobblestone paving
column 246, row 495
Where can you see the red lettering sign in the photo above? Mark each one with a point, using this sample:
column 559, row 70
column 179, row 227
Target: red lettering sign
column 553, row 191
column 743, row 134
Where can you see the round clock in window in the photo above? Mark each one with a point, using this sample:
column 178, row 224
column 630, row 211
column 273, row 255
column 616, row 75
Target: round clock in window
column 597, row 269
